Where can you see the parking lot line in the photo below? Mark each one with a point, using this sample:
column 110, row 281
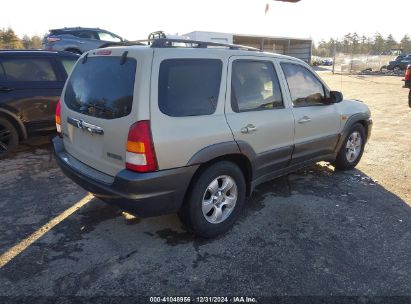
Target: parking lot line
column 20, row 247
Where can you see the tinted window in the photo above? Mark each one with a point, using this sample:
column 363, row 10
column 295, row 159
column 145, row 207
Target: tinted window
column 102, row 87
column 254, row 86
column 305, row 88
column 28, row 69
column 189, row 87
column 68, row 64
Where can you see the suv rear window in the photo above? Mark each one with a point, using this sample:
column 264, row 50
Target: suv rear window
column 189, row 87
column 102, row 87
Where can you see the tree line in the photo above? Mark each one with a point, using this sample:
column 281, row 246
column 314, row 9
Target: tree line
column 9, row 40
column 352, row 43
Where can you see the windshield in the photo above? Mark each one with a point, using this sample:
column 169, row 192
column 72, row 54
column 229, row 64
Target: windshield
column 102, row 87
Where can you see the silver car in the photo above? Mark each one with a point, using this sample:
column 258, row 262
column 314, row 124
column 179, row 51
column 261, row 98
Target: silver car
column 163, row 128
column 78, row 39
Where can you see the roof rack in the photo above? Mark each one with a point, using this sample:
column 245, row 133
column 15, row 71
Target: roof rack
column 170, row 43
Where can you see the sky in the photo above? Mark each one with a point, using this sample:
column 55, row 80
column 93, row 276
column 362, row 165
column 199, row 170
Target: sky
column 316, row 19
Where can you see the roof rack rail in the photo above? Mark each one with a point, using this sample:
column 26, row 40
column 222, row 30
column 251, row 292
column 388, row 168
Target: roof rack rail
column 169, row 43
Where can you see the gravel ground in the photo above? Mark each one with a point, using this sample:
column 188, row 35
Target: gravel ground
column 313, row 233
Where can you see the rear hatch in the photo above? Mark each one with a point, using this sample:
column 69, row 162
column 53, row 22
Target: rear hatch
column 97, row 108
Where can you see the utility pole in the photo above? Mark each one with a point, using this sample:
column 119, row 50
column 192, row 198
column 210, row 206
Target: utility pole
column 335, row 51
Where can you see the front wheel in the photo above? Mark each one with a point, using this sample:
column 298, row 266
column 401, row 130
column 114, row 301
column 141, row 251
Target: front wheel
column 215, row 200
column 352, row 148
column 409, row 98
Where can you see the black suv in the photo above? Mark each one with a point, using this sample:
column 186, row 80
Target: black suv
column 30, row 86
column 400, row 63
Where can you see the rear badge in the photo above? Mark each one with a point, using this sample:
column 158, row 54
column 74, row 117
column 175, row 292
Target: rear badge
column 115, row 156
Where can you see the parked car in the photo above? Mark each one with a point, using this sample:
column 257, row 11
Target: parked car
column 327, row 62
column 78, row 39
column 317, row 61
column 195, row 129
column 400, row 64
column 407, row 83
column 30, row 86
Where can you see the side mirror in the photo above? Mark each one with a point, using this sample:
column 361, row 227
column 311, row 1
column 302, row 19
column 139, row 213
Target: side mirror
column 336, row 97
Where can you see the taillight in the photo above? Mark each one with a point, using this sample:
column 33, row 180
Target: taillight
column 408, row 73
column 58, row 118
column 140, row 155
column 53, row 39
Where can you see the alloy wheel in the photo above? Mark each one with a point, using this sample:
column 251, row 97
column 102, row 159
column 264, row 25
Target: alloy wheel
column 353, row 147
column 219, row 199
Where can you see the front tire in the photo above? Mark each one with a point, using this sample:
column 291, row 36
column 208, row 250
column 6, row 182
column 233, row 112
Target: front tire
column 215, row 200
column 409, row 98
column 352, row 148
column 9, row 137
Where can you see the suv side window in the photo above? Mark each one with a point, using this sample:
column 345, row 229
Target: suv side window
column 254, row 86
column 28, row 69
column 305, row 88
column 85, row 34
column 104, row 36
column 189, row 87
column 68, row 64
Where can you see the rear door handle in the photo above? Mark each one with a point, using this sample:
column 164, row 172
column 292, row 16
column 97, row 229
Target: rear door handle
column 304, row 120
column 6, row 89
column 248, row 129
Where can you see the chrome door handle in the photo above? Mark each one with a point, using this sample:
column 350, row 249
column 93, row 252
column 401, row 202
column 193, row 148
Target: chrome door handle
column 248, row 129
column 304, row 120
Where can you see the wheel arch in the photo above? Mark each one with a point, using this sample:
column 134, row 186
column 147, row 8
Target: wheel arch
column 227, row 151
column 360, row 118
column 17, row 123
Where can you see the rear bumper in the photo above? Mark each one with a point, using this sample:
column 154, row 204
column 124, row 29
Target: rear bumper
column 143, row 194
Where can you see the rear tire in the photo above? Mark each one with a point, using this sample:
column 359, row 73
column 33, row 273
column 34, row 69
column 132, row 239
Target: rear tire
column 9, row 138
column 215, row 200
column 409, row 98
column 352, row 148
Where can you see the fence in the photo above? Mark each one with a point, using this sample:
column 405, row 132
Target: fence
column 356, row 63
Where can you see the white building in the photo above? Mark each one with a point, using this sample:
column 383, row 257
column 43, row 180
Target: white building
column 296, row 47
